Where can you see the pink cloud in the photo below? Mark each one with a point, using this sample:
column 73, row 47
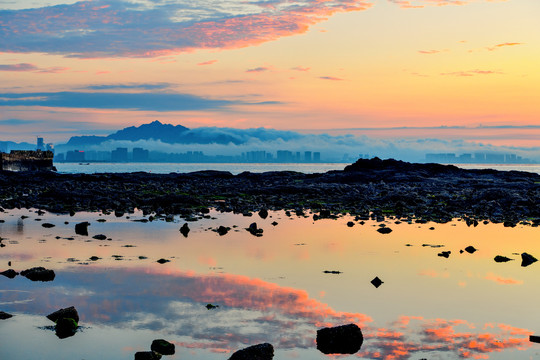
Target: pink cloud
column 472, row 73
column 25, row 67
column 300, row 68
column 330, row 78
column 498, row 46
column 502, row 280
column 209, row 62
column 429, row 51
column 258, row 69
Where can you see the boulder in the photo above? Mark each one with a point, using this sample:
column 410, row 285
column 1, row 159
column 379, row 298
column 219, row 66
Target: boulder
column 82, row 228
column 48, row 225
column 38, row 274
column 527, row 259
column 254, row 230
column 256, row 352
column 162, row 347
column 100, row 237
column 222, row 230
column 66, row 327
column 444, row 254
column 10, row 273
column 147, row 355
column 263, row 213
column 69, row 312
column 344, row 339
column 5, row 315
column 185, row 230
column 384, row 230
column 500, row 258
column 470, row 249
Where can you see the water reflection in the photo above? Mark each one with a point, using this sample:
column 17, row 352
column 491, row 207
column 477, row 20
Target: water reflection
column 274, row 289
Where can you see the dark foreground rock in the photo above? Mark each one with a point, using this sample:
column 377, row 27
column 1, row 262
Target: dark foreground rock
column 430, row 192
column 10, row 273
column 5, row 315
column 147, row 355
column 162, row 347
column 67, row 321
column 38, row 274
column 69, row 312
column 256, row 352
column 185, row 230
column 82, row 228
column 345, row 339
column 527, row 259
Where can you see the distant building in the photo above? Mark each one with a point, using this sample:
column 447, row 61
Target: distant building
column 316, row 156
column 284, row 156
column 307, row 156
column 140, row 154
column 40, row 144
column 119, row 155
column 75, row 156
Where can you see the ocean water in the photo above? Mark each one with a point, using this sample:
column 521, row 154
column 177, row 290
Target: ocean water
column 237, row 168
column 300, row 276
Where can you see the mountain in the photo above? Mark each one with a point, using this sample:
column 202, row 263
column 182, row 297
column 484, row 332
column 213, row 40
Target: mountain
column 7, row 146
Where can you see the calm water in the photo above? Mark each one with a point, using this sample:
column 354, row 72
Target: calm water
column 165, row 168
column 269, row 289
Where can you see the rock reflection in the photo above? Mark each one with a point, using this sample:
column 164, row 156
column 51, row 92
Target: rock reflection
column 250, row 311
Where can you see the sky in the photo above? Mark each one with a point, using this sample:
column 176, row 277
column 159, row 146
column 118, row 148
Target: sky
column 454, row 70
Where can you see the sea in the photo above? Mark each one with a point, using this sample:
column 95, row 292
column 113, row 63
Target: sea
column 237, row 168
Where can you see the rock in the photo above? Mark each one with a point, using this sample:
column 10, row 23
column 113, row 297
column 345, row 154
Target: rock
column 185, row 230
column 254, row 230
column 222, row 230
column 66, row 327
column 332, row 272
column 100, row 237
column 263, row 213
column 48, row 225
column 470, row 249
column 5, row 315
column 527, row 259
column 69, row 312
column 10, row 273
column 345, row 339
column 445, row 254
column 118, row 213
column 163, row 261
column 274, row 223
column 377, row 282
column 256, row 352
column 534, row 338
column 38, row 274
column 94, row 258
column 384, row 230
column 82, row 228
column 147, row 355
column 500, row 258
column 162, row 347
column 211, row 306
column 350, row 224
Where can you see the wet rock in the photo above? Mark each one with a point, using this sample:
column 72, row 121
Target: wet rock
column 69, row 312
column 345, row 339
column 38, row 274
column 384, row 230
column 534, row 338
column 256, row 352
column 350, row 224
column 82, row 228
column 527, row 259
column 5, row 315
column 500, row 258
column 444, row 254
column 376, row 282
column 66, row 327
column 100, row 237
column 163, row 261
column 48, row 225
column 274, row 223
column 263, row 213
column 162, row 347
column 222, row 230
column 94, row 258
column 10, row 273
column 147, row 355
column 119, row 213
column 254, row 230
column 185, row 229
column 211, row 306
column 470, row 249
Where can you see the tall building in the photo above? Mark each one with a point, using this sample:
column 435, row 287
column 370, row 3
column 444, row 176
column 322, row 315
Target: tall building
column 307, row 156
column 140, row 154
column 119, row 155
column 40, row 144
column 316, row 156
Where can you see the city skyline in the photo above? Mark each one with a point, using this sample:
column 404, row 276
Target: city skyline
column 388, row 70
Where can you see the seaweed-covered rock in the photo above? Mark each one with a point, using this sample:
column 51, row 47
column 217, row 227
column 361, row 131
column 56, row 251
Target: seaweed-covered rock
column 162, row 347
column 256, row 352
column 344, row 339
column 38, row 274
column 66, row 327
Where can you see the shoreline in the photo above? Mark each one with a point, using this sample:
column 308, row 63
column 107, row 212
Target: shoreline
column 367, row 188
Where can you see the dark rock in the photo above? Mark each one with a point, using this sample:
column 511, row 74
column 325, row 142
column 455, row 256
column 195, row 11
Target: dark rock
column 256, row 352
column 534, row 338
column 527, row 259
column 48, row 225
column 69, row 312
column 345, row 339
column 377, row 282
column 222, row 230
column 94, row 258
column 263, row 213
column 332, row 272
column 445, row 254
column 274, row 223
column 384, row 230
column 5, row 315
column 119, row 213
column 211, row 306
column 82, row 228
column 254, row 230
column 163, row 261
column 100, row 237
column 500, row 258
column 185, row 229
column 350, row 224
column 38, row 274
column 470, row 249
column 147, row 355
column 162, row 347
column 10, row 273
column 66, row 327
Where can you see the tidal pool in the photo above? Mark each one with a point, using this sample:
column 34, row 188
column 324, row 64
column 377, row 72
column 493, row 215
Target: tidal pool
column 301, row 275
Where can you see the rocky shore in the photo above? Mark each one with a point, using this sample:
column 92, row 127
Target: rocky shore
column 367, row 188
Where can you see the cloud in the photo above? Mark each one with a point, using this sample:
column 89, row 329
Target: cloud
column 429, row 52
column 157, row 86
column 32, row 68
column 502, row 280
column 330, row 78
column 18, row 122
column 472, row 73
column 418, row 4
column 108, row 100
column 258, row 69
column 122, row 28
column 498, row 46
column 209, row 62
column 301, row 68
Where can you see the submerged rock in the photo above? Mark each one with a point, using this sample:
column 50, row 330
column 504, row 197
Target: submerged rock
column 345, row 339
column 48, row 225
column 163, row 261
column 38, row 274
column 527, row 259
column 256, row 352
column 162, row 347
column 185, row 230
